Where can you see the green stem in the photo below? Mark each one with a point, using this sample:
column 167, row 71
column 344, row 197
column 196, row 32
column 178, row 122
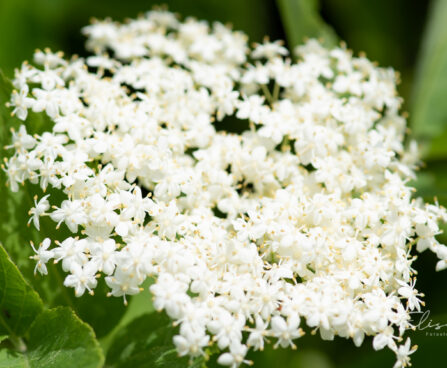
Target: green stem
column 18, row 343
column 285, row 145
column 267, row 94
column 276, row 92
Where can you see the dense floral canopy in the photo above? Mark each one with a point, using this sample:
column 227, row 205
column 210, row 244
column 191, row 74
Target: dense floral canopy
column 304, row 218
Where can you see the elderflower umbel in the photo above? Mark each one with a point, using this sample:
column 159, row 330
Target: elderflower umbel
column 304, row 218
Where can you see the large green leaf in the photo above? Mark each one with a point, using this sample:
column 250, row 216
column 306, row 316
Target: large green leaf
column 147, row 342
column 301, row 20
column 58, row 338
column 429, row 110
column 19, row 303
column 52, row 338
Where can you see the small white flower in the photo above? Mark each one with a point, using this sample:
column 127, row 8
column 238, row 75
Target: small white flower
column 43, row 255
column 286, row 331
column 385, row 338
column 21, row 102
column 411, row 294
column 258, row 334
column 71, row 213
column 38, row 210
column 403, row 353
column 21, row 140
column 104, row 255
column 252, row 108
column 269, row 50
column 191, row 341
column 235, row 357
column 71, row 251
column 82, row 278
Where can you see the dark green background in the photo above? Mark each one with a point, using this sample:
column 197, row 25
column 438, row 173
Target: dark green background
column 409, row 36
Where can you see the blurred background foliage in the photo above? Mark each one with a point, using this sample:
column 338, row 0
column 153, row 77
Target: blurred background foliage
column 410, row 36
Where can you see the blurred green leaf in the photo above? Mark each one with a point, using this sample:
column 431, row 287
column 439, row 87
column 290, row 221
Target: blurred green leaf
column 139, row 305
column 19, row 303
column 147, row 342
column 379, row 29
column 57, row 23
column 302, row 20
column 57, row 339
column 437, row 148
column 432, row 181
column 6, row 120
column 429, row 108
column 99, row 311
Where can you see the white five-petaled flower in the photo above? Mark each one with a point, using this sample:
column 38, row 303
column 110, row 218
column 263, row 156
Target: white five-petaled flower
column 235, row 357
column 411, row 294
column 38, row 210
column 403, row 353
column 286, row 331
column 42, row 256
column 82, row 278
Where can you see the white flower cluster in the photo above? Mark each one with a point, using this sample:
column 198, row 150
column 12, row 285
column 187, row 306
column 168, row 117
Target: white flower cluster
column 303, row 218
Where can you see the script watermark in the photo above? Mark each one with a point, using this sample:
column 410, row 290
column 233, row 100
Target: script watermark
column 422, row 322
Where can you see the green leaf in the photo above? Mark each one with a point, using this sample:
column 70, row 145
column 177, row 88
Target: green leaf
column 19, row 303
column 58, row 338
column 301, row 20
column 437, row 149
column 101, row 312
column 147, row 342
column 139, row 305
column 429, row 110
